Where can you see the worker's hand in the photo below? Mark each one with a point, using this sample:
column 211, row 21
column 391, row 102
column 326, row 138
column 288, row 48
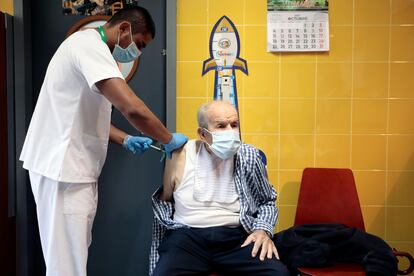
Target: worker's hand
column 137, row 144
column 176, row 142
column 261, row 240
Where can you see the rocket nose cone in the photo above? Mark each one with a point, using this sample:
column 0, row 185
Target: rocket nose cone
column 224, row 25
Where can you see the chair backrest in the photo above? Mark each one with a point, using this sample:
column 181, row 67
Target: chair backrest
column 329, row 196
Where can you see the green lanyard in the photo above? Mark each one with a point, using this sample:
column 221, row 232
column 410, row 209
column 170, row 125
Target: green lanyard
column 102, row 33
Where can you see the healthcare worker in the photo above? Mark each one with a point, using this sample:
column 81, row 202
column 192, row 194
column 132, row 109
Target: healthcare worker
column 67, row 140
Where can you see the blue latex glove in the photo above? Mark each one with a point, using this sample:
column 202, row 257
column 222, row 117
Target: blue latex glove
column 177, row 141
column 137, row 144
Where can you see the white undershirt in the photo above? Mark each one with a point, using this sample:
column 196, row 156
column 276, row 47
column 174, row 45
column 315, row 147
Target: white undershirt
column 206, row 211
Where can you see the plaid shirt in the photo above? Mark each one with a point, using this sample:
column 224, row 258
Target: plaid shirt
column 257, row 201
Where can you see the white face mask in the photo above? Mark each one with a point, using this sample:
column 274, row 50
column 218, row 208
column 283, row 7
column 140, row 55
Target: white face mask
column 127, row 54
column 225, row 144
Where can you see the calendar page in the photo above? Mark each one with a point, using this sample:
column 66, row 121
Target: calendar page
column 297, row 26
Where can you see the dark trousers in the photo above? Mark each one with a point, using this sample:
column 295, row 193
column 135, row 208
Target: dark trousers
column 201, row 251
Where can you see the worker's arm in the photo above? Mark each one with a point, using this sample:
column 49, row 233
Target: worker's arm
column 116, row 135
column 118, row 92
column 135, row 144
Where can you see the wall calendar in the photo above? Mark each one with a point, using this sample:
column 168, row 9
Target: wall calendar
column 297, row 25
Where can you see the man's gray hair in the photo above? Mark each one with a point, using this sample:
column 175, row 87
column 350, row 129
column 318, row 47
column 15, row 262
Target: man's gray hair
column 201, row 115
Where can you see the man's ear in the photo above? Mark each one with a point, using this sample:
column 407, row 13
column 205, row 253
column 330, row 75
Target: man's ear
column 201, row 133
column 124, row 27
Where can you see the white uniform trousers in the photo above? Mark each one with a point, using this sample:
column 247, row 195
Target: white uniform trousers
column 65, row 213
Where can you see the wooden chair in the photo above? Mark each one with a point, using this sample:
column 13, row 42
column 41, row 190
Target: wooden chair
column 330, row 195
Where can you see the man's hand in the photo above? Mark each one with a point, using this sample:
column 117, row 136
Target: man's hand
column 176, row 142
column 137, row 144
column 263, row 241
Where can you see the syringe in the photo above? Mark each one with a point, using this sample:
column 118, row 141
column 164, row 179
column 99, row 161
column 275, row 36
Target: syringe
column 157, row 148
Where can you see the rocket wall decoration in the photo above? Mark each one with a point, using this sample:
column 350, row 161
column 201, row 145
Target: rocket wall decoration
column 224, row 60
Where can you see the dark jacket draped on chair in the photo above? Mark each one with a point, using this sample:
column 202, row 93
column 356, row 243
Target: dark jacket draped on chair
column 316, row 245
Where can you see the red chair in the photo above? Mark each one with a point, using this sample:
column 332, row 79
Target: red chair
column 330, row 195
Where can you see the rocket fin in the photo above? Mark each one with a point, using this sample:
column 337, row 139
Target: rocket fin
column 241, row 64
column 208, row 65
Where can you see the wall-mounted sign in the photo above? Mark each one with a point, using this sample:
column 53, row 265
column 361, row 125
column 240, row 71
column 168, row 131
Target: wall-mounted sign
column 95, row 7
column 297, row 25
column 224, row 60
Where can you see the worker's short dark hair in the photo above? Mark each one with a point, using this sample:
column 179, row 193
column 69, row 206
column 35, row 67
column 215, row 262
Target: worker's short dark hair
column 140, row 19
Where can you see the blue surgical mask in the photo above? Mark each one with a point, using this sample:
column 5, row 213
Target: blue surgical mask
column 128, row 54
column 225, row 143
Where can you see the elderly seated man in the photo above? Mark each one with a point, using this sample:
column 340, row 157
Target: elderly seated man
column 216, row 210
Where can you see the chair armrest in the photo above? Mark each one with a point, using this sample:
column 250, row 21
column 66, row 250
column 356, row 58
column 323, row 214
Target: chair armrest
column 410, row 258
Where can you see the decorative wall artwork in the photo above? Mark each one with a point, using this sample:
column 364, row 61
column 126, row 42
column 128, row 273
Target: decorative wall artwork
column 297, row 25
column 95, row 7
column 224, row 60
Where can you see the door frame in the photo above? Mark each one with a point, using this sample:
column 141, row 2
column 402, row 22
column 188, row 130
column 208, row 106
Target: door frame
column 171, row 65
column 7, row 218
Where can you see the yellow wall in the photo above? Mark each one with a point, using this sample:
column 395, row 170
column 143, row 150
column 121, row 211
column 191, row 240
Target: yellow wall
column 352, row 107
column 6, row 6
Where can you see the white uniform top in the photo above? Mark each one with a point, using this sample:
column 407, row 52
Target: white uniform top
column 194, row 212
column 67, row 139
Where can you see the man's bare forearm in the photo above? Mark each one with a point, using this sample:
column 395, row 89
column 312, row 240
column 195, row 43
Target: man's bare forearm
column 134, row 109
column 116, row 135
